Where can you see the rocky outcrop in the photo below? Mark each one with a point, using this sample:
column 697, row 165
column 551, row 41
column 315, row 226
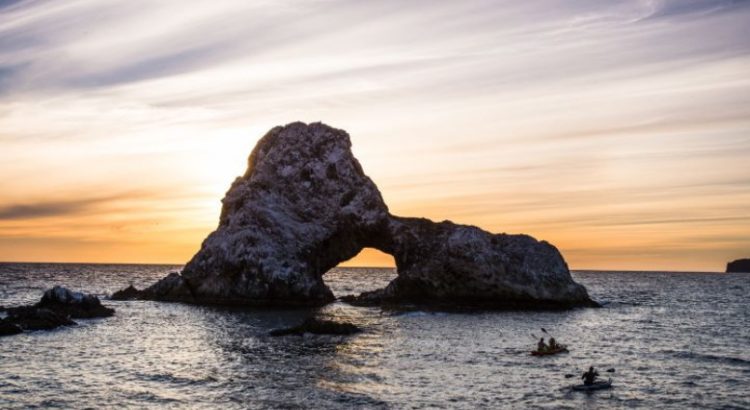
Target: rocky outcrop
column 73, row 304
column 740, row 265
column 304, row 205
column 36, row 318
column 56, row 308
column 459, row 265
column 126, row 294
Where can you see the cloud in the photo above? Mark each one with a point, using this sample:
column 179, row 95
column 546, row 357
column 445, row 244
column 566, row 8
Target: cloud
column 46, row 209
column 113, row 202
column 691, row 8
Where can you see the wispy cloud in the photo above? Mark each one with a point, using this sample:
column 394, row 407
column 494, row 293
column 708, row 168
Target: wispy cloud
column 47, row 209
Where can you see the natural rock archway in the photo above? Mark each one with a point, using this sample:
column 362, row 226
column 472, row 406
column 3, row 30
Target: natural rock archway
column 305, row 204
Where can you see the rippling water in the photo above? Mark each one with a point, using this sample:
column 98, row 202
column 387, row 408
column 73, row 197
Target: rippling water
column 676, row 340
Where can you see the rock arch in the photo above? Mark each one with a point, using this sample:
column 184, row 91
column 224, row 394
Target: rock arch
column 304, row 205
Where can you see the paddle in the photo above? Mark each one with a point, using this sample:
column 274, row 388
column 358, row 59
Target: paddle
column 610, row 370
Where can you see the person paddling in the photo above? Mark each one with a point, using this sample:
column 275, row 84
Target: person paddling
column 590, row 376
column 541, row 346
column 553, row 344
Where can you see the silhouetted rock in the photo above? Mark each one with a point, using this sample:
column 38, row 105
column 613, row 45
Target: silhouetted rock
column 128, row 293
column 740, row 265
column 7, row 328
column 173, row 288
column 304, row 205
column 318, row 327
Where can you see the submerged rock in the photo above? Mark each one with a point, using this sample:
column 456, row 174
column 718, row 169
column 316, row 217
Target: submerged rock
column 305, row 204
column 740, row 265
column 56, row 308
column 318, row 327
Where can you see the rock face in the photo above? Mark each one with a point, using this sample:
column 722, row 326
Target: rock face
column 304, row 205
column 740, row 265
column 56, row 308
column 448, row 264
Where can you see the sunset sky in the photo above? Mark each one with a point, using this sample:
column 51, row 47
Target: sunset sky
column 617, row 130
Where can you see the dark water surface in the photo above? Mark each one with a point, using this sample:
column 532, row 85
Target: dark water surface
column 676, row 340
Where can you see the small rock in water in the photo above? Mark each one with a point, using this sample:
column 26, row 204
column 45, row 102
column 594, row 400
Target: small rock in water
column 7, row 328
column 56, row 308
column 74, row 304
column 35, row 318
column 318, row 327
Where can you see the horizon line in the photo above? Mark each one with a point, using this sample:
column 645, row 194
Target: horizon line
column 357, row 267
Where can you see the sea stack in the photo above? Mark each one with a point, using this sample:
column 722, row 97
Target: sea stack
column 304, row 205
column 740, row 265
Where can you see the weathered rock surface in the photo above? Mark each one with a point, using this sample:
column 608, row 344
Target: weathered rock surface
column 56, row 308
column 318, row 327
column 304, row 205
column 449, row 264
column 740, row 265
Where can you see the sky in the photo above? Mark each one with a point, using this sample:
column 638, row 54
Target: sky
column 619, row 131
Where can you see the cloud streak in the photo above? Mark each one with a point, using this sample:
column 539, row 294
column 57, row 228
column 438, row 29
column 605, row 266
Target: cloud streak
column 46, row 209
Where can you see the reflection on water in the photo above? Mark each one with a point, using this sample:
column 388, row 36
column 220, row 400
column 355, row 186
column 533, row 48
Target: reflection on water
column 672, row 338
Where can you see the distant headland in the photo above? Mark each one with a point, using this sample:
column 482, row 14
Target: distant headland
column 740, row 265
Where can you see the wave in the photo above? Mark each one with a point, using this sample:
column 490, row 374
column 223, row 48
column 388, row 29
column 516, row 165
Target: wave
column 708, row 357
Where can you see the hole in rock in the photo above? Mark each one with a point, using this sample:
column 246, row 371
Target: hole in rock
column 369, row 270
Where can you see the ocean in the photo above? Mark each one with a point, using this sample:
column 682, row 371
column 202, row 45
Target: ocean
column 674, row 340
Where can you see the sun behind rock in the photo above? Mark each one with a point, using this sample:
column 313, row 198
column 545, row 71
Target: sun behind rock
column 304, row 205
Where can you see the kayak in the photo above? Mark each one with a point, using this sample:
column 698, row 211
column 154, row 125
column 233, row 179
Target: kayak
column 561, row 349
column 600, row 385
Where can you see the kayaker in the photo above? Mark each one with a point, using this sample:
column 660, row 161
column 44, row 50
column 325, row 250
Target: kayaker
column 553, row 344
column 590, row 376
column 541, row 346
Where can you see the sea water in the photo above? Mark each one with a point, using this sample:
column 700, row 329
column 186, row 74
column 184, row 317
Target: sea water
column 674, row 340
